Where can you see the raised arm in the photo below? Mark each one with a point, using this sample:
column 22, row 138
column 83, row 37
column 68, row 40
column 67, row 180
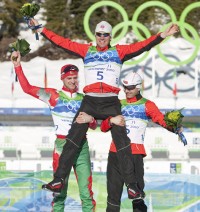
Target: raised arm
column 46, row 95
column 26, row 86
column 127, row 52
column 171, row 30
column 73, row 48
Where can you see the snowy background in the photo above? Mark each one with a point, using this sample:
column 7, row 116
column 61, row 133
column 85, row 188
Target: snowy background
column 31, row 140
column 160, row 90
column 161, row 94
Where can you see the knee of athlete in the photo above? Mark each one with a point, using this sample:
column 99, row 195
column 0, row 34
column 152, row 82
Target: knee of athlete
column 114, row 202
column 85, row 199
column 113, row 207
column 119, row 129
column 59, row 199
column 137, row 201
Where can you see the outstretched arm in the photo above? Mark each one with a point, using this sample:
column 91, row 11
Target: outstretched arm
column 73, row 48
column 127, row 52
column 34, row 22
column 170, row 31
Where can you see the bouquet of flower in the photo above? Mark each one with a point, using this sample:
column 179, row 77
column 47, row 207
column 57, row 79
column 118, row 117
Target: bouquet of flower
column 20, row 45
column 174, row 119
column 28, row 11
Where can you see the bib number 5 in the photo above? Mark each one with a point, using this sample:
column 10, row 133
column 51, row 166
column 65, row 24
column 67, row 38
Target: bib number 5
column 99, row 75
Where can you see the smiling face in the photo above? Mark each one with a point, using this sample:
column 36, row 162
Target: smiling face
column 102, row 39
column 71, row 82
column 130, row 93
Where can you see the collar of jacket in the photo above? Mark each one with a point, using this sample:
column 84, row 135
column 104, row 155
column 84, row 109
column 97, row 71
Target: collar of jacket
column 99, row 49
column 134, row 99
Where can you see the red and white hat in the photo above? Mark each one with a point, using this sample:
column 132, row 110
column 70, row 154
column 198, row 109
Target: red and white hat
column 104, row 26
column 133, row 78
column 68, row 70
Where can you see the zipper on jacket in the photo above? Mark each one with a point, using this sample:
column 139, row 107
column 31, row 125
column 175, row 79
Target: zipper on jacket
column 101, row 87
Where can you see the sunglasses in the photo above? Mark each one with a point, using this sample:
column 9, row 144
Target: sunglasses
column 130, row 87
column 104, row 34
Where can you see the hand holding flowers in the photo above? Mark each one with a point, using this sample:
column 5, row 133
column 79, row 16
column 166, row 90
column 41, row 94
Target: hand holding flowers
column 20, row 45
column 28, row 11
column 174, row 119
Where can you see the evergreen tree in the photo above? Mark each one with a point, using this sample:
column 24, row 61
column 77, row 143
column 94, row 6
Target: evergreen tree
column 58, row 16
column 193, row 16
column 66, row 18
column 10, row 17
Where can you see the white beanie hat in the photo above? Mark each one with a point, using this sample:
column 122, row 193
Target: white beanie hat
column 133, row 78
column 104, row 26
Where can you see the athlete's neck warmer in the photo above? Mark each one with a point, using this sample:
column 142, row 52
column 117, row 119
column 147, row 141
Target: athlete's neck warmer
column 135, row 98
column 69, row 90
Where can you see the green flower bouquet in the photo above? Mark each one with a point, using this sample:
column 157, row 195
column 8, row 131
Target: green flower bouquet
column 20, row 45
column 28, row 11
column 174, row 119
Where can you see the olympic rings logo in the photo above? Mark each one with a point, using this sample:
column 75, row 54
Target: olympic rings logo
column 136, row 26
column 163, row 80
column 72, row 105
column 131, row 110
column 105, row 56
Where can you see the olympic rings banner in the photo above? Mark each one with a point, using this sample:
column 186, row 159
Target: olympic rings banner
column 137, row 27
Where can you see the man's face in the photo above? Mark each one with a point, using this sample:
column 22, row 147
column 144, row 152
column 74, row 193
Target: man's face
column 130, row 93
column 71, row 82
column 102, row 39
